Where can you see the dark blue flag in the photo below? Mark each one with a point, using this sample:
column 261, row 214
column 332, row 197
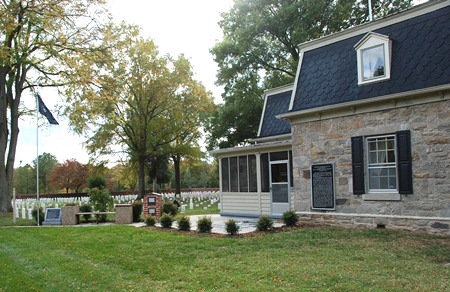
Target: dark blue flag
column 44, row 111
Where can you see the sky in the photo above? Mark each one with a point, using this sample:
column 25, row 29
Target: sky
column 176, row 26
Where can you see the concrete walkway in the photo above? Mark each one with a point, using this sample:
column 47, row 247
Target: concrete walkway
column 246, row 224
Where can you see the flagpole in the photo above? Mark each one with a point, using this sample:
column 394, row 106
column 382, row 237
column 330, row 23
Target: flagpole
column 37, row 159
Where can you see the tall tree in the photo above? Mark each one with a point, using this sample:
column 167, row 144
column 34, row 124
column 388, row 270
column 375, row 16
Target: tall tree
column 25, row 179
column 70, row 175
column 259, row 51
column 131, row 103
column 47, row 163
column 38, row 41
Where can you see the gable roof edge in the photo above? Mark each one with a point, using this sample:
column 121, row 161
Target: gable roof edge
column 374, row 25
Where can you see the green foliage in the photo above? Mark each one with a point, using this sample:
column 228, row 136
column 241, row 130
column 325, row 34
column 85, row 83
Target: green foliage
column 101, row 201
column 137, row 210
column 47, row 163
column 231, row 227
column 264, row 223
column 34, row 214
column 204, row 224
column 166, row 220
column 170, row 208
column 289, row 218
column 184, row 223
column 86, row 208
column 150, row 221
column 97, row 182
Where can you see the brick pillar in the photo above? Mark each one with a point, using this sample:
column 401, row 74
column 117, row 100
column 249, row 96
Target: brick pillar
column 152, row 205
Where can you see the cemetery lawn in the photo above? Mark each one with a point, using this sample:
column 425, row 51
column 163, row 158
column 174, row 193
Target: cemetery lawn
column 124, row 258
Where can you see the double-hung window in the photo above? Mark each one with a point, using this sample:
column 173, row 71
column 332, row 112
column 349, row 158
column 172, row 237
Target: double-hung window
column 382, row 164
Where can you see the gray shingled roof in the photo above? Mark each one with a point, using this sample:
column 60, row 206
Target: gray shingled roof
column 276, row 104
column 420, row 59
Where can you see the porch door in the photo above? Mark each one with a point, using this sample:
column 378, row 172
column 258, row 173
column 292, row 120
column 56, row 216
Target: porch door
column 279, row 186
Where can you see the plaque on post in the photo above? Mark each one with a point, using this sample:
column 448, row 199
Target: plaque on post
column 52, row 216
column 322, row 187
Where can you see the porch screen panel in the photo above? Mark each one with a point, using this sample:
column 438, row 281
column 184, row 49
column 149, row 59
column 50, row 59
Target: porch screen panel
column 252, row 173
column 225, row 175
column 265, row 179
column 243, row 174
column 234, row 174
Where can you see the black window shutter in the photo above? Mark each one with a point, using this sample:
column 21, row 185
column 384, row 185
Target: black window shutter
column 358, row 165
column 404, row 162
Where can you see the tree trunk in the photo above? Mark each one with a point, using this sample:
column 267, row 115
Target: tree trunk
column 141, row 178
column 176, row 163
column 155, row 183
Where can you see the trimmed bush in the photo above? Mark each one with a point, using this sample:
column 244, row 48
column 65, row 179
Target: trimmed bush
column 289, row 218
column 34, row 214
column 101, row 201
column 204, row 224
column 231, row 227
column 86, row 208
column 184, row 223
column 264, row 223
column 137, row 210
column 166, row 220
column 170, row 208
column 150, row 221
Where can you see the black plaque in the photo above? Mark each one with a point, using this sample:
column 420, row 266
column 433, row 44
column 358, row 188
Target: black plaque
column 322, row 180
column 53, row 214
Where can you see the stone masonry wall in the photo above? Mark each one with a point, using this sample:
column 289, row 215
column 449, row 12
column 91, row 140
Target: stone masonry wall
column 329, row 141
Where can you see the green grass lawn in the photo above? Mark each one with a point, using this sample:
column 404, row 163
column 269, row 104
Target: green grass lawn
column 119, row 258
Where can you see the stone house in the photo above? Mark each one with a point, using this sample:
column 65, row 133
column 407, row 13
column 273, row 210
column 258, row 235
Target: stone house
column 362, row 136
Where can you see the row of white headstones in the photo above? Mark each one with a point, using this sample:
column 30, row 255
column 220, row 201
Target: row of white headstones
column 24, row 207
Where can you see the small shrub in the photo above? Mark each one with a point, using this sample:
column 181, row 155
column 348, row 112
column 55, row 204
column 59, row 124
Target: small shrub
column 34, row 213
column 184, row 223
column 264, row 223
column 137, row 210
column 86, row 208
column 170, row 208
column 289, row 218
column 150, row 221
column 166, row 220
column 204, row 224
column 231, row 227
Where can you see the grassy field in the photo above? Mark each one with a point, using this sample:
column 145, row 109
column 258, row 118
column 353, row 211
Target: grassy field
column 119, row 258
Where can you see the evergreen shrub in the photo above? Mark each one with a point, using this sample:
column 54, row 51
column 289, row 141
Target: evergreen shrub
column 166, row 220
column 289, row 218
column 184, row 223
column 264, row 223
column 34, row 214
column 231, row 227
column 150, row 221
column 86, row 208
column 137, row 210
column 170, row 208
column 204, row 224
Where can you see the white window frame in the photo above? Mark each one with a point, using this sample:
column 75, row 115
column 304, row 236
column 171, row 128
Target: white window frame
column 370, row 41
column 380, row 165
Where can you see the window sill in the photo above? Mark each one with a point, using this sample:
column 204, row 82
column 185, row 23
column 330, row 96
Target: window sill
column 382, row 197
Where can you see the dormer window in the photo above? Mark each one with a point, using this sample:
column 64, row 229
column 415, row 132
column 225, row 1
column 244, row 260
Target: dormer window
column 374, row 58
